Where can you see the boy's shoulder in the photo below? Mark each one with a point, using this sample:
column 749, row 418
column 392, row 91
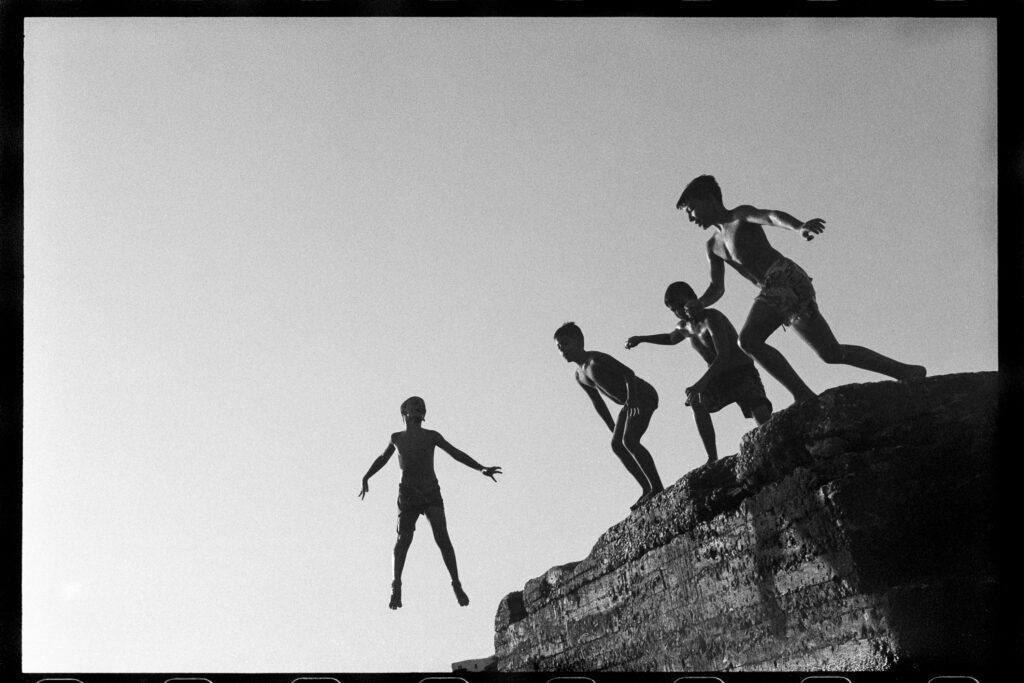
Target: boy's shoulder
column 423, row 431
column 716, row 315
column 742, row 212
column 600, row 356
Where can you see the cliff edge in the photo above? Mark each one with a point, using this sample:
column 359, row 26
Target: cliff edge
column 853, row 532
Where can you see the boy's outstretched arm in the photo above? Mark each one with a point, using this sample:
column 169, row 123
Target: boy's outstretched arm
column 716, row 288
column 465, row 459
column 599, row 405
column 379, row 462
column 781, row 219
column 669, row 339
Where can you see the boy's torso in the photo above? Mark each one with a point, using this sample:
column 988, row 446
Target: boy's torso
column 699, row 333
column 612, row 385
column 415, row 455
column 745, row 247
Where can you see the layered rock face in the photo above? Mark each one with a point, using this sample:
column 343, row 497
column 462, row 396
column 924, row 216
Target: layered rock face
column 849, row 533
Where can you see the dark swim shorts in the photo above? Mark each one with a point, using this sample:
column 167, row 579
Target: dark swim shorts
column 741, row 386
column 414, row 501
column 788, row 289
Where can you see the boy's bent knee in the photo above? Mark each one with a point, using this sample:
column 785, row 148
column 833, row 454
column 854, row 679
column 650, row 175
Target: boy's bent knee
column 750, row 345
column 833, row 354
column 631, row 444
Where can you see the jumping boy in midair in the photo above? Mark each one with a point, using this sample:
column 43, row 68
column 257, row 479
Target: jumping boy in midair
column 598, row 373
column 731, row 376
column 786, row 297
column 419, row 492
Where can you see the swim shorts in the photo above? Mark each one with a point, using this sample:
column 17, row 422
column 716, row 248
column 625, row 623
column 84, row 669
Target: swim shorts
column 414, row 501
column 741, row 385
column 648, row 395
column 787, row 289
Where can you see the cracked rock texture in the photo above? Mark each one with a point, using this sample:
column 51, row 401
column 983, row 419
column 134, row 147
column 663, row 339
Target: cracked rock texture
column 849, row 533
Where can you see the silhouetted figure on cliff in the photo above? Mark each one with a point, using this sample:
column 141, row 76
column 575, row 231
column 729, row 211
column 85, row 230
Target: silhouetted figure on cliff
column 786, row 297
column 731, row 376
column 419, row 493
column 598, row 373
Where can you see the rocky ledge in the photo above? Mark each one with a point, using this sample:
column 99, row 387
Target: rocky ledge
column 852, row 532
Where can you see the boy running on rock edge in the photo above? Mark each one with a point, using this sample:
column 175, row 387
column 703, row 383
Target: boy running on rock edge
column 786, row 296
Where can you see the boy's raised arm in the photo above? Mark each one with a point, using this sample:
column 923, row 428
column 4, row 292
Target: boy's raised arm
column 716, row 288
column 464, row 458
column 378, row 462
column 673, row 337
column 781, row 219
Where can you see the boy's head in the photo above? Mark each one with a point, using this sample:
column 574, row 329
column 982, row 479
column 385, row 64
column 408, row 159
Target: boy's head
column 701, row 197
column 414, row 406
column 569, row 338
column 677, row 296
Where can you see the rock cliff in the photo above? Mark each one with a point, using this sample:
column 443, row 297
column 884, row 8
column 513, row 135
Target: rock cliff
column 852, row 532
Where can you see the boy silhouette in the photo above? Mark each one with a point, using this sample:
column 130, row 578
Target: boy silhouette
column 598, row 373
column 731, row 376
column 786, row 297
column 419, row 493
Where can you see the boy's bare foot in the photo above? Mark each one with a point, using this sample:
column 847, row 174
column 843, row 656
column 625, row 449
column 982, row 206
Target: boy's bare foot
column 396, row 595
column 460, row 594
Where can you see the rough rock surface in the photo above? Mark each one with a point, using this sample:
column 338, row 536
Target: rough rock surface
column 852, row 532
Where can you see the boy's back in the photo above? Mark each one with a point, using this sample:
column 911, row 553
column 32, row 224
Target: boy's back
column 699, row 333
column 601, row 376
column 416, row 455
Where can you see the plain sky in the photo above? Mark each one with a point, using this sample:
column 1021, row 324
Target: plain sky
column 248, row 240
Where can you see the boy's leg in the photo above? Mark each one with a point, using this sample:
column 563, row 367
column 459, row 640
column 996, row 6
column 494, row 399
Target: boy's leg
column 632, row 432
column 706, row 430
column 439, row 525
column 762, row 320
column 762, row 413
column 401, row 550
column 818, row 335
column 627, row 458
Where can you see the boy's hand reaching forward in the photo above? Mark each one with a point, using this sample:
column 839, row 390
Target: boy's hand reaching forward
column 813, row 227
column 632, row 341
column 490, row 472
column 366, row 487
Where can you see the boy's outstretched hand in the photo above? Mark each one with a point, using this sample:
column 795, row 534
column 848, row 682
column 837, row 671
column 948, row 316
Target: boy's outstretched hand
column 490, row 472
column 366, row 487
column 632, row 341
column 813, row 227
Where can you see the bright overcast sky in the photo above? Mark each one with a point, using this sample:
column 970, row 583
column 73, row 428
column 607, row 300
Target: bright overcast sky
column 248, row 240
